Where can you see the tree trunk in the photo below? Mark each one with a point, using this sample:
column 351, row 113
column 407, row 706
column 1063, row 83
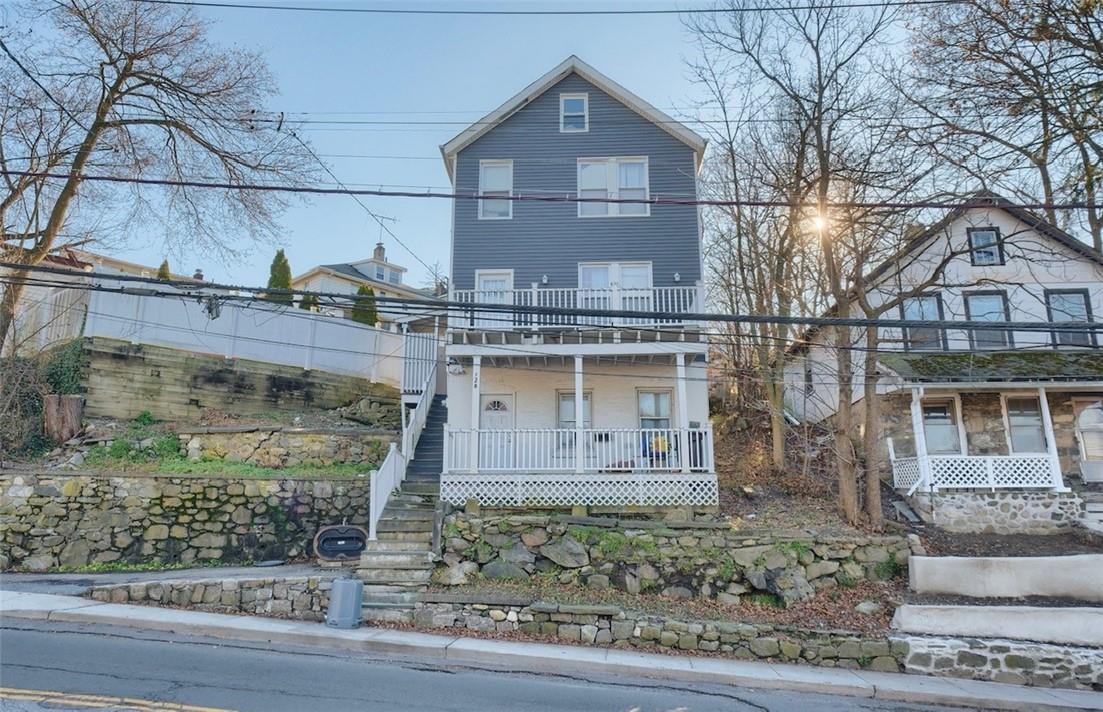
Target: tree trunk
column 7, row 313
column 844, row 421
column 62, row 416
column 872, row 437
column 776, row 395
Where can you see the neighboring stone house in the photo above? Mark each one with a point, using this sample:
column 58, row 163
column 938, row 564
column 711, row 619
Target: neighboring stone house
column 386, row 279
column 552, row 409
column 966, row 409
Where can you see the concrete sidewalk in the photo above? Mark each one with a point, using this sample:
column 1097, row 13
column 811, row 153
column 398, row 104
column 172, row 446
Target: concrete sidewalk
column 539, row 657
column 74, row 584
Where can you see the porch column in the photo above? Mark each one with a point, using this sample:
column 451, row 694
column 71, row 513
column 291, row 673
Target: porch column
column 683, row 409
column 1051, row 441
column 579, row 452
column 920, row 436
column 476, row 408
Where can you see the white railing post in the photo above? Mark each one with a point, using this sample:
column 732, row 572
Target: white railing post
column 920, row 435
column 683, row 409
column 579, row 411
column 476, row 409
column 534, row 295
column 1051, row 441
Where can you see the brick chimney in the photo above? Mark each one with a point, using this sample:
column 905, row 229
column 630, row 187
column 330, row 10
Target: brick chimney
column 379, row 254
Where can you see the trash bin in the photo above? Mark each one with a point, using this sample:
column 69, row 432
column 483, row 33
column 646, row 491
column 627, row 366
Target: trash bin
column 346, row 599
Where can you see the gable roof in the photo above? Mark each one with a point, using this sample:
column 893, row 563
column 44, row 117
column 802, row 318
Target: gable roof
column 978, row 200
column 571, row 65
column 347, row 271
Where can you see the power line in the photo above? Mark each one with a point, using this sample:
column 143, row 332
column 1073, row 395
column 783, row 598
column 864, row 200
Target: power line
column 39, row 84
column 566, row 198
column 537, row 13
column 649, row 316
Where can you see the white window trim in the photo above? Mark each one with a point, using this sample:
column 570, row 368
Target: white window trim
column 1007, row 420
column 639, row 416
column 495, row 162
column 612, row 184
column 585, row 111
column 586, row 394
column 1078, row 405
column 614, row 273
column 959, row 416
column 483, row 272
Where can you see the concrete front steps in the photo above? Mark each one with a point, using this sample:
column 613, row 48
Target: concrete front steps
column 1092, row 518
column 397, row 566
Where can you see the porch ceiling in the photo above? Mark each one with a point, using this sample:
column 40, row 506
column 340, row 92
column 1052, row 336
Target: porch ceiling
column 996, row 366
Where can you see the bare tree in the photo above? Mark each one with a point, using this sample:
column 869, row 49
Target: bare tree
column 133, row 90
column 1011, row 93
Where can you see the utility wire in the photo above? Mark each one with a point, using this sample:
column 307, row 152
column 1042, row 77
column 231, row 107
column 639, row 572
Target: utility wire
column 648, row 316
column 317, row 190
column 39, row 84
column 537, row 13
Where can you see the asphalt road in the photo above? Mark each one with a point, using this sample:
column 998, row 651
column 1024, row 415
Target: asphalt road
column 49, row 665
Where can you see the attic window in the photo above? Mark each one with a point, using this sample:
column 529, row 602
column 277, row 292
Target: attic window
column 985, row 246
column 574, row 113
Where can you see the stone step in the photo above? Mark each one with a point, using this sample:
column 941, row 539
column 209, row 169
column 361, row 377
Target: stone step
column 386, row 591
column 387, row 614
column 397, row 577
column 426, row 536
column 1093, row 506
column 399, row 514
column 397, row 546
column 403, row 525
column 396, row 560
column 403, row 597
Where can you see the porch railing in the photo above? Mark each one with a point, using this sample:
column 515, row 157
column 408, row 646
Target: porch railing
column 418, row 361
column 589, row 450
column 1026, row 471
column 668, row 301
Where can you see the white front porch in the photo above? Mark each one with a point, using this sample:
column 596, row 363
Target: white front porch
column 640, row 438
column 1031, row 468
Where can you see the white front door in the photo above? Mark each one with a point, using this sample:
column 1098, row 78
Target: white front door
column 615, row 285
column 496, row 420
column 493, row 287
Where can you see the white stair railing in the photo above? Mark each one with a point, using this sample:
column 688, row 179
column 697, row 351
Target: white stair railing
column 392, row 472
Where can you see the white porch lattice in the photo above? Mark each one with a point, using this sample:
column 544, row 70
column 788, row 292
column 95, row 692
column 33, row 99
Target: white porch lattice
column 975, row 471
column 568, row 489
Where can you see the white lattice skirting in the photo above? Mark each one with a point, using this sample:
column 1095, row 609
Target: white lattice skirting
column 605, row 490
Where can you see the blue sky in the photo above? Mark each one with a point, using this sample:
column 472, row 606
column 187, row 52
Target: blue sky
column 457, row 66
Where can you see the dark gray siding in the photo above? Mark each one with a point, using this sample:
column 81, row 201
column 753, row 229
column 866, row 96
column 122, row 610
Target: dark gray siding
column 549, row 238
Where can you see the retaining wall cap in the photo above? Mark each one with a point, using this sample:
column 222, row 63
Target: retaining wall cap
column 486, row 599
column 544, row 607
column 586, row 521
column 590, row 610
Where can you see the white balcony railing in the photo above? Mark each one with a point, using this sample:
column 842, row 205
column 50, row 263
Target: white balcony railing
column 589, row 450
column 667, row 303
column 1029, row 471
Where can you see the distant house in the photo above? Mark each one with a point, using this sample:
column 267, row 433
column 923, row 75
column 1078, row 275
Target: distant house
column 385, row 279
column 967, row 408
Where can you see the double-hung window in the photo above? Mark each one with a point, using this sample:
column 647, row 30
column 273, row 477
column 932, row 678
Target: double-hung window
column 988, row 307
column 654, row 409
column 1070, row 305
column 1026, row 432
column 613, row 178
column 566, row 411
column 574, row 113
column 380, row 274
column 985, row 246
column 940, row 426
column 495, row 187
column 927, row 307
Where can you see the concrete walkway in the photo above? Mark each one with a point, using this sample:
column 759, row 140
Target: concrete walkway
column 539, row 657
column 79, row 584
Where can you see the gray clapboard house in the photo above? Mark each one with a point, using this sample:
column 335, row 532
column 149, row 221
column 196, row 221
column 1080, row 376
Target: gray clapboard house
column 556, row 408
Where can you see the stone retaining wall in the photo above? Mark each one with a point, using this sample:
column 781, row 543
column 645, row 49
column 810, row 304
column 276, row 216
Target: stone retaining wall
column 1003, row 512
column 610, row 626
column 286, row 447
column 69, row 521
column 304, row 598
column 1013, row 661
column 702, row 559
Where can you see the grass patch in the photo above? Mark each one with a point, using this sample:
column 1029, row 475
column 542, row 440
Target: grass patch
column 889, row 569
column 766, row 600
column 795, row 549
column 113, row 567
column 184, row 466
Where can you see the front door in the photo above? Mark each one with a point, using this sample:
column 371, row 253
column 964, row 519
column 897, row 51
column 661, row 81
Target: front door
column 493, row 288
column 496, row 441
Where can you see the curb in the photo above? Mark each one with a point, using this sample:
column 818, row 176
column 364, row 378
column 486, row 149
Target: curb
column 543, row 657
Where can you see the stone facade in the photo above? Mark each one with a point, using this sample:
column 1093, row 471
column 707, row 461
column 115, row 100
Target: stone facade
column 610, row 626
column 69, row 521
column 1013, row 661
column 287, row 447
column 305, row 598
column 1002, row 512
column 679, row 560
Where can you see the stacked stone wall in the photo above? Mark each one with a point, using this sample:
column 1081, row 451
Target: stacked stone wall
column 1003, row 512
column 287, row 447
column 302, row 598
column 70, row 521
column 679, row 560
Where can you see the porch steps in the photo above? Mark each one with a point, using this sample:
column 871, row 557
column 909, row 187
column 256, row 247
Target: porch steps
column 1092, row 518
column 428, row 460
column 398, row 565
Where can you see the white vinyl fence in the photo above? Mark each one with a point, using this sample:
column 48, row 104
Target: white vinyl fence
column 256, row 330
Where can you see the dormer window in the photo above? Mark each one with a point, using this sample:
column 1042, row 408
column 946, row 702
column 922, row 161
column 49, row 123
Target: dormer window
column 380, row 274
column 985, row 246
column 574, row 113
